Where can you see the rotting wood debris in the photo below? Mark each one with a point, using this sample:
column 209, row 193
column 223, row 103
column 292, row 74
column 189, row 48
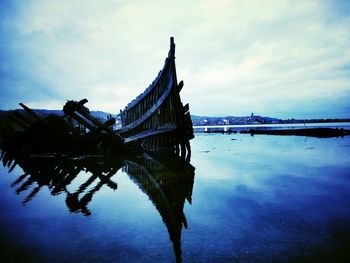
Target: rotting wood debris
column 76, row 132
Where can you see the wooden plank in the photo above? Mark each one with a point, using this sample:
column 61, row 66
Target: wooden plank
column 109, row 122
column 186, row 108
column 151, row 132
column 82, row 121
column 180, row 86
column 160, row 103
column 153, row 109
column 29, row 111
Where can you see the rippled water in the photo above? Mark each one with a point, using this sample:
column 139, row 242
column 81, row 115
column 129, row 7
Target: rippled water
column 249, row 199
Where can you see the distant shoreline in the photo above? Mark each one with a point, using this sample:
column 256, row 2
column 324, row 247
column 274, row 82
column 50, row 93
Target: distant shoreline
column 280, row 123
column 276, row 125
column 257, row 120
column 321, row 130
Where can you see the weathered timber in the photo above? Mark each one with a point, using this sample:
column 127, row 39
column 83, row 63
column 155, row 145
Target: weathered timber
column 157, row 107
column 80, row 113
column 155, row 120
column 29, row 111
column 151, row 132
column 59, row 135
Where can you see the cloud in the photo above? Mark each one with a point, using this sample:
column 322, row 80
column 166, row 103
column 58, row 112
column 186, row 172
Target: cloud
column 280, row 58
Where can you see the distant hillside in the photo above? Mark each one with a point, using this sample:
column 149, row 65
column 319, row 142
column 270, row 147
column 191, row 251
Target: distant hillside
column 253, row 119
column 5, row 118
column 206, row 120
column 97, row 114
column 47, row 112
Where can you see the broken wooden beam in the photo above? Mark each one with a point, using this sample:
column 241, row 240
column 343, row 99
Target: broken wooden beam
column 29, row 111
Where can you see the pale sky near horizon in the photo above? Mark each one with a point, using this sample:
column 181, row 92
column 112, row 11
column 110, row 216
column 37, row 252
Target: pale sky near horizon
column 279, row 58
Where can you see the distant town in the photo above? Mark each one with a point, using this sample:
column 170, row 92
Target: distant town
column 253, row 119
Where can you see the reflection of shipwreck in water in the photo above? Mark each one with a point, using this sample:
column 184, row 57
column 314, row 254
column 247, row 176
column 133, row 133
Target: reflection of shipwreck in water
column 164, row 177
column 168, row 184
column 58, row 173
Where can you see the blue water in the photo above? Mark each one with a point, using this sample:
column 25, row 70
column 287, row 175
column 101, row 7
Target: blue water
column 253, row 199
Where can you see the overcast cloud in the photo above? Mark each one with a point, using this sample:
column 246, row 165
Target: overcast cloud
column 274, row 58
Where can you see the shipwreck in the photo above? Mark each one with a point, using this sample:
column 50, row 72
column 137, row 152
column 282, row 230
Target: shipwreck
column 156, row 120
column 157, row 117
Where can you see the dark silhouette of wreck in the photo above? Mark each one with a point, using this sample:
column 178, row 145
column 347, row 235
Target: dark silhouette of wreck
column 155, row 120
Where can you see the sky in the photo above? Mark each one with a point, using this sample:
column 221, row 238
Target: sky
column 278, row 58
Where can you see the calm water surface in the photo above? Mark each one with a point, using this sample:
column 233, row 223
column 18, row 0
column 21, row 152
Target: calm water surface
column 249, row 199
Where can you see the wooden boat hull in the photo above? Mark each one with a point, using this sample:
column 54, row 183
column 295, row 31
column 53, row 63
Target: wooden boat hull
column 157, row 118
